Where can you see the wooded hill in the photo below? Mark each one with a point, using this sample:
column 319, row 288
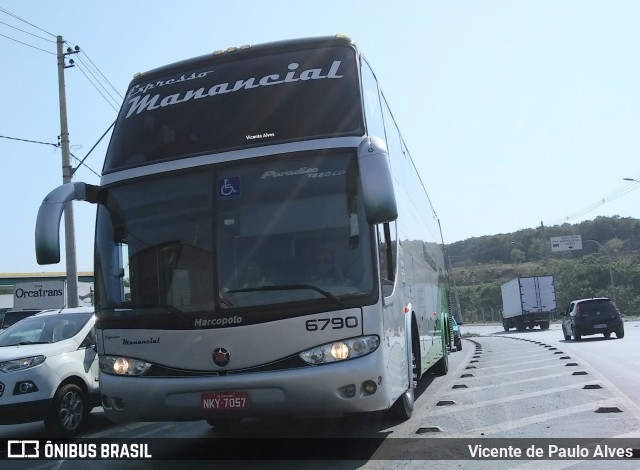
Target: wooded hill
column 611, row 249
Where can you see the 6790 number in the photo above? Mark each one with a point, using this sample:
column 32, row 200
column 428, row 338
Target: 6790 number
column 336, row 323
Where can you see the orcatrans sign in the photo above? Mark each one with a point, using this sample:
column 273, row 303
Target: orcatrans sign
column 39, row 295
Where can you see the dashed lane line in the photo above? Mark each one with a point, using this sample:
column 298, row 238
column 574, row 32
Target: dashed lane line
column 523, row 422
column 512, row 382
column 502, row 400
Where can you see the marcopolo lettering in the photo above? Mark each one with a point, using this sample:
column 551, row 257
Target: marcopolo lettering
column 140, row 103
column 217, row 321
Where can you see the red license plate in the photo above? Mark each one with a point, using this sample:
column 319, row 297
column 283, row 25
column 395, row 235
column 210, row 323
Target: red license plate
column 228, row 400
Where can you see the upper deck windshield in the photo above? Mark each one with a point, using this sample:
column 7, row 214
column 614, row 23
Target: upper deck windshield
column 273, row 233
column 237, row 101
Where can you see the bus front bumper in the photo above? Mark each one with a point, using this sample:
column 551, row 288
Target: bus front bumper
column 352, row 386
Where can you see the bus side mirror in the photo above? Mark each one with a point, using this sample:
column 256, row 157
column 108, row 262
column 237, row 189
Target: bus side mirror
column 377, row 186
column 49, row 214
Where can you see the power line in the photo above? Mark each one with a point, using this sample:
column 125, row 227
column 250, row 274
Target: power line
column 80, row 162
column 29, row 141
column 96, row 82
column 28, row 45
column 622, row 190
column 7, row 12
column 93, row 148
column 27, row 32
column 97, row 89
column 84, row 53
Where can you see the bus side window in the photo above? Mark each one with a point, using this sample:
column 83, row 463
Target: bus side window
column 387, row 256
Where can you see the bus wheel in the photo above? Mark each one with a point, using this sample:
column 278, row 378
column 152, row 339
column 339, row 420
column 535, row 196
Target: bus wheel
column 402, row 409
column 442, row 366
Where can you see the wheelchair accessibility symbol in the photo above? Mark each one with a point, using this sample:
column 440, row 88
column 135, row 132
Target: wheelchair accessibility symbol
column 229, row 188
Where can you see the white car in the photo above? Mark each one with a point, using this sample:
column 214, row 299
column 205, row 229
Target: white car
column 49, row 370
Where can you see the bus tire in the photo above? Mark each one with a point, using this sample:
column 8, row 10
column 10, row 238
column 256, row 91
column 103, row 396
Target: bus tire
column 442, row 366
column 402, row 409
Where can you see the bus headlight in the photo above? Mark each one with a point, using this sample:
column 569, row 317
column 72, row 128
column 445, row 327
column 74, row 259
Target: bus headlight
column 123, row 365
column 340, row 350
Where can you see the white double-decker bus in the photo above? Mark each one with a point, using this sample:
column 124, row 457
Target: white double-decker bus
column 264, row 244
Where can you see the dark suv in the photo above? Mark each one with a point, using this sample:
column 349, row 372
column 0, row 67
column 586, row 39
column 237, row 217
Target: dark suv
column 591, row 317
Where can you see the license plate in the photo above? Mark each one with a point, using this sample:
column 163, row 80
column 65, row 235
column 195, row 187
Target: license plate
column 227, row 400
column 600, row 326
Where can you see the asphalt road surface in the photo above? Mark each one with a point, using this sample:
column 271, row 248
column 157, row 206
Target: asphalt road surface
column 504, row 391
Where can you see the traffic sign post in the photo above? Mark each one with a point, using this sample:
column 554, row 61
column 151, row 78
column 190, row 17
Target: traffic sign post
column 566, row 243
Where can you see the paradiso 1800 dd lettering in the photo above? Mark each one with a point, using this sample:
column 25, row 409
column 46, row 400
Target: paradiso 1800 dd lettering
column 309, row 172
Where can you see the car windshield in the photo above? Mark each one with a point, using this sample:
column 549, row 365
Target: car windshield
column 41, row 329
column 13, row 317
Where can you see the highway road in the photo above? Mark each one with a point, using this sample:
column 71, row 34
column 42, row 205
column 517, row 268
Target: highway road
column 533, row 386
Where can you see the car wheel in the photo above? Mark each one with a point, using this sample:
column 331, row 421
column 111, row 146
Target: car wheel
column 567, row 337
column 620, row 333
column 459, row 345
column 607, row 334
column 576, row 336
column 68, row 412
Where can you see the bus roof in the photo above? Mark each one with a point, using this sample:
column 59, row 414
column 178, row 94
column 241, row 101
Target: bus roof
column 245, row 52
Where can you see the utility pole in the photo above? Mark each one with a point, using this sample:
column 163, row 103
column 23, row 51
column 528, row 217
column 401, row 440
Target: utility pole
column 611, row 284
column 455, row 290
column 70, row 240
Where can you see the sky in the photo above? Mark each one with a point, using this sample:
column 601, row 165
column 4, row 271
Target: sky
column 516, row 112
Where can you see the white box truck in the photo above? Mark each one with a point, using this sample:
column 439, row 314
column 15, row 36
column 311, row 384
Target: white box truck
column 528, row 302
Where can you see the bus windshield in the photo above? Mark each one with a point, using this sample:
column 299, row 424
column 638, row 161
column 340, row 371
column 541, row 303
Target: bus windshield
column 252, row 234
column 267, row 99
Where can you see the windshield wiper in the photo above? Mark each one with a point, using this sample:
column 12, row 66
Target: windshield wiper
column 25, row 343
column 325, row 293
column 164, row 307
